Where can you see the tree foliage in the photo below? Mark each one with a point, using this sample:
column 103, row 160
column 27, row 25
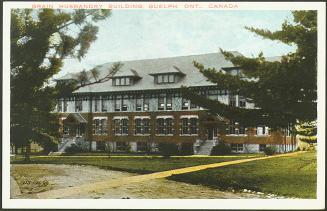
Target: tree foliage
column 307, row 131
column 40, row 40
column 283, row 91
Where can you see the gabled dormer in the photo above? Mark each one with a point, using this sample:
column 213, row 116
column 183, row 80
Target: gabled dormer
column 170, row 75
column 125, row 78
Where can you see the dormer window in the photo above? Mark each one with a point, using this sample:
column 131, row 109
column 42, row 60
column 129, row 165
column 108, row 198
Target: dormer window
column 122, row 81
column 165, row 78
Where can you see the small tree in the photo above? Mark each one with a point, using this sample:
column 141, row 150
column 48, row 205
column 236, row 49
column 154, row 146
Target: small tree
column 108, row 148
column 221, row 149
column 270, row 150
column 307, row 132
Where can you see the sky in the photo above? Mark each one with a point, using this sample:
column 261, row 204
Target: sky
column 143, row 34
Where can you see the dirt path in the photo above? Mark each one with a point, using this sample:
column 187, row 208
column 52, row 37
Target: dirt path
column 41, row 178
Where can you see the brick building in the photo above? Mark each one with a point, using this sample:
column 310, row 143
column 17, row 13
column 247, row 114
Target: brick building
column 141, row 106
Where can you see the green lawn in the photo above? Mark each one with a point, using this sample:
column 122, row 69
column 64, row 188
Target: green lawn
column 287, row 176
column 133, row 164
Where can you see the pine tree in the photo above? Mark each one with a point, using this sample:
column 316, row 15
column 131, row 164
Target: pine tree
column 307, row 132
column 40, row 41
column 283, row 92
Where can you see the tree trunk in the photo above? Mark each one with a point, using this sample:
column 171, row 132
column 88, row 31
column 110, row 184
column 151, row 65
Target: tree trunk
column 28, row 152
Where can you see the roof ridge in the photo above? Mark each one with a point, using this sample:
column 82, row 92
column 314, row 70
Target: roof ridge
column 169, row 57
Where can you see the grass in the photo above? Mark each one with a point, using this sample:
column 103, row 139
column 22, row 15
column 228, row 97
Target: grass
column 133, row 164
column 288, row 176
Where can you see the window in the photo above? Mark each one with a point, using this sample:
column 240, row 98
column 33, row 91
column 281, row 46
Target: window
column 193, row 126
column 101, row 146
column 127, row 81
column 215, row 132
column 161, row 126
column 262, row 130
column 121, row 146
column 146, row 103
column 165, row 78
column 104, row 104
column 185, row 104
column 165, row 126
column 232, row 127
column 159, row 79
column 184, row 125
column 65, row 105
column 121, row 126
column 124, row 104
column 169, row 102
column 117, row 103
column 142, row 126
column 97, row 104
column 161, row 102
column 78, row 105
column 124, row 81
column 117, row 126
column 236, row 129
column 59, row 108
column 146, row 126
column 138, row 102
column 237, row 147
column 193, row 106
column 66, row 130
column 189, row 126
column 138, row 126
column 169, row 126
column 213, row 94
column 100, row 126
column 262, row 147
column 241, row 102
column 241, row 130
column 141, row 146
column 171, row 78
column 124, row 127
column 232, row 100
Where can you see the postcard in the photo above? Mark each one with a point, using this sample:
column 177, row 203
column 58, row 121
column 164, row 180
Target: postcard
column 170, row 105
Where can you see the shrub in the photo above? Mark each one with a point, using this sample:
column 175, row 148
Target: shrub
column 221, row 149
column 270, row 150
column 74, row 148
column 168, row 149
column 187, row 149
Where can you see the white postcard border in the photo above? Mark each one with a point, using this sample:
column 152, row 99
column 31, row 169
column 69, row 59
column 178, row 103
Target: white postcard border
column 173, row 203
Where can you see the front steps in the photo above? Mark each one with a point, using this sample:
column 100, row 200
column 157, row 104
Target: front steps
column 66, row 142
column 205, row 147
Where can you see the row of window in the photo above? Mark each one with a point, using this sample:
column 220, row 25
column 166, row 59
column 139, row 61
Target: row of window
column 121, row 104
column 165, row 102
column 158, row 79
column 236, row 129
column 240, row 147
column 241, row 101
column 164, row 126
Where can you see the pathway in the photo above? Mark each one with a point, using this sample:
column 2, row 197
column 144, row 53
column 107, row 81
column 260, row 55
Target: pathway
column 116, row 182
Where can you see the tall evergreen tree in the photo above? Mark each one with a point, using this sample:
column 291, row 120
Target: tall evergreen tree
column 283, row 92
column 40, row 41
